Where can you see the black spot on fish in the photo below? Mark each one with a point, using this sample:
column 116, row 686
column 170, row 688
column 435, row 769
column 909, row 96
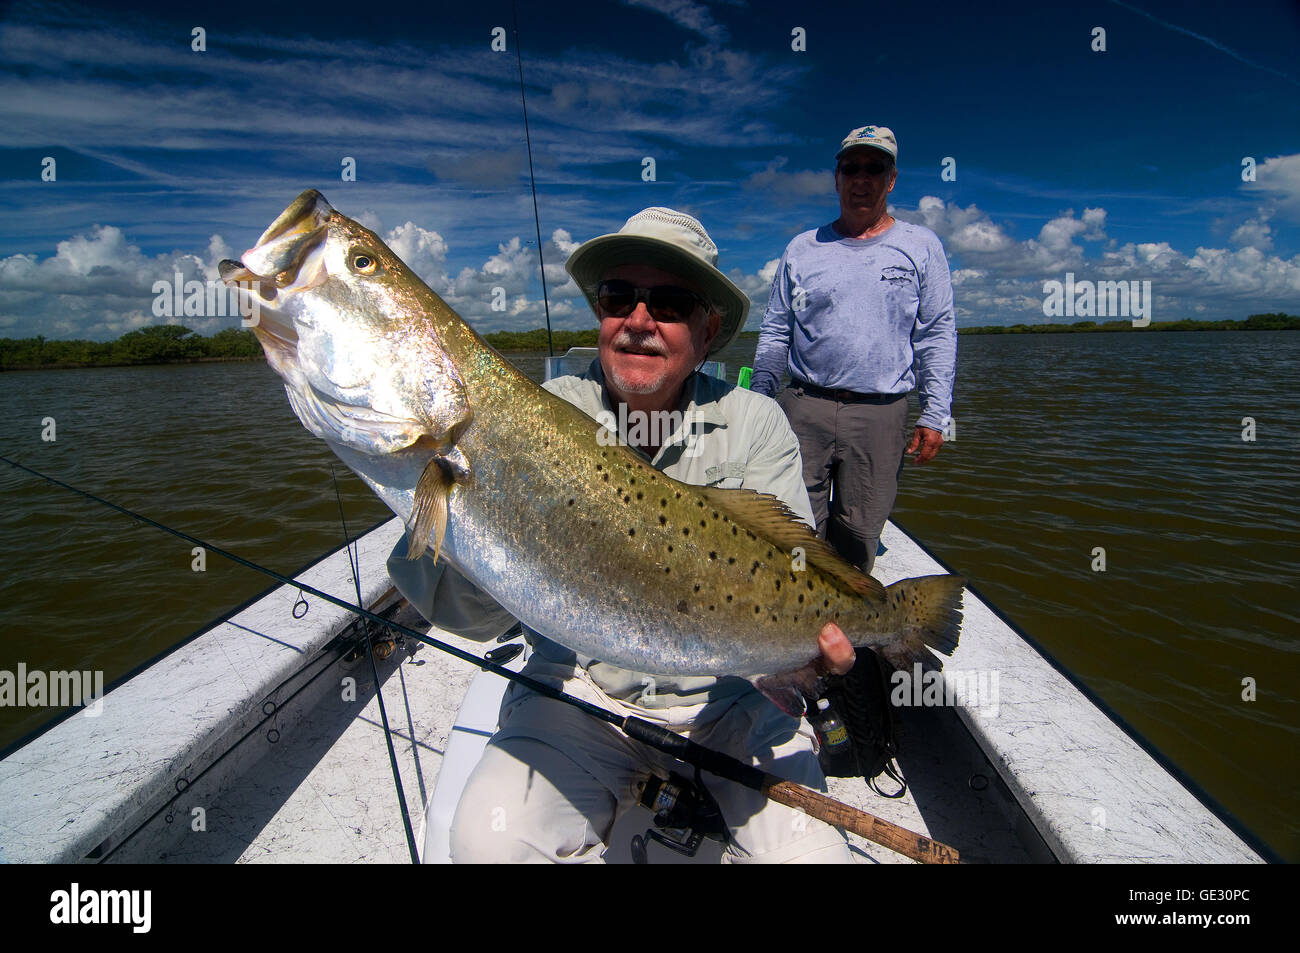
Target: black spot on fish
column 801, row 597
column 713, row 555
column 632, row 532
column 728, row 597
column 663, row 520
column 827, row 603
column 700, row 504
column 810, row 585
column 711, row 608
column 599, row 468
column 686, row 531
column 769, row 554
column 605, row 477
column 670, row 547
column 703, row 524
column 715, row 514
column 731, row 560
column 668, row 569
column 734, row 531
column 778, row 585
column 570, row 502
column 757, row 610
column 639, row 494
column 697, row 587
column 663, row 502
column 681, row 607
column 679, row 494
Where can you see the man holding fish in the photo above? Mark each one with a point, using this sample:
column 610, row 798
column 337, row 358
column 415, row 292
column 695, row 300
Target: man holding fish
column 552, row 780
column 655, row 581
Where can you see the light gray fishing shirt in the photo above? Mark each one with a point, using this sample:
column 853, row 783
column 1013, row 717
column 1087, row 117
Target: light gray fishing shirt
column 871, row 315
column 729, row 438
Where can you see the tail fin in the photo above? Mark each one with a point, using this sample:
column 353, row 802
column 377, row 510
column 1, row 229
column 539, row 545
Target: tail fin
column 930, row 607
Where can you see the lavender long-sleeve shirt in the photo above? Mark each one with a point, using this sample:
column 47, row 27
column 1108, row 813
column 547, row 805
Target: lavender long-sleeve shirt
column 871, row 315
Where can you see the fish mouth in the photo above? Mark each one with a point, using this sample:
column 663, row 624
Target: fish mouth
column 287, row 258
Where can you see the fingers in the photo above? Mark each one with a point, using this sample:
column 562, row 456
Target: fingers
column 836, row 649
column 925, row 444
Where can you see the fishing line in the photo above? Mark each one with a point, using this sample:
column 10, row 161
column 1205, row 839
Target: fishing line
column 354, row 560
column 519, row 57
column 909, row 843
column 365, row 613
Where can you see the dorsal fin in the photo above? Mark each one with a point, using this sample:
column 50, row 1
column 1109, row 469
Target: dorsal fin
column 765, row 514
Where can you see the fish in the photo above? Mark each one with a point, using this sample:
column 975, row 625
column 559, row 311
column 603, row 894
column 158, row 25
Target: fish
column 583, row 541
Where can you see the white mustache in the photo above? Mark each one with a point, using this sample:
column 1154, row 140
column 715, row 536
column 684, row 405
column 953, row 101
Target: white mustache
column 642, row 342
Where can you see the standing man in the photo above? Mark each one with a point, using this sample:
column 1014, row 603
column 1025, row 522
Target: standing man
column 553, row 780
column 855, row 306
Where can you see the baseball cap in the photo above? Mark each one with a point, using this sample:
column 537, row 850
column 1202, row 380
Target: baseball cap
column 878, row 137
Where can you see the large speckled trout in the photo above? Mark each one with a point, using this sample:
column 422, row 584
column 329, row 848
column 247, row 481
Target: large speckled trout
column 586, row 543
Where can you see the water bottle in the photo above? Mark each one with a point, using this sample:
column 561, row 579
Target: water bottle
column 835, row 747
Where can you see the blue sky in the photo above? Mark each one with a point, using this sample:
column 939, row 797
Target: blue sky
column 1117, row 165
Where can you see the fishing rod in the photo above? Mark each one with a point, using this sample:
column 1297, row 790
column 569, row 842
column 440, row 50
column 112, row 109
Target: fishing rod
column 537, row 221
column 908, row 843
column 354, row 561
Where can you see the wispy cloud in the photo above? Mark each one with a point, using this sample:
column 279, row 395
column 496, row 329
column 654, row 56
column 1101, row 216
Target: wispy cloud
column 688, row 15
column 1208, row 41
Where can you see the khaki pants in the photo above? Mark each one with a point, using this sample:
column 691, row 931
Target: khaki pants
column 857, row 447
column 553, row 780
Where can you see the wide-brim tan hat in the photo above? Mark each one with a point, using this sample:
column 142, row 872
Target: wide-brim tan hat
column 673, row 241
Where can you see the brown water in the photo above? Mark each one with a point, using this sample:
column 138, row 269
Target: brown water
column 1129, row 442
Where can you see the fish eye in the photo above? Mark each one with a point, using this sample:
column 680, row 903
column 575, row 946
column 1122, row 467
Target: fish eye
column 363, row 262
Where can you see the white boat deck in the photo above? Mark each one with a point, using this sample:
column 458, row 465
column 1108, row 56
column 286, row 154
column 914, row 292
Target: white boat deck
column 324, row 793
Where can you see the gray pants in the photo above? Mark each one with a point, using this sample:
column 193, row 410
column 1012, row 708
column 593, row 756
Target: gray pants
column 857, row 447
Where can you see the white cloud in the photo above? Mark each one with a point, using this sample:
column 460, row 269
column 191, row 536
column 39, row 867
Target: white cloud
column 998, row 279
column 1277, row 180
column 784, row 187
column 1254, row 232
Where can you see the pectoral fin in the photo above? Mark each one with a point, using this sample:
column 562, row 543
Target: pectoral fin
column 429, row 515
column 791, row 691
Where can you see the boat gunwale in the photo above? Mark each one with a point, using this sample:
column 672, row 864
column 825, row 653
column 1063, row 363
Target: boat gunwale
column 1206, row 800
column 62, row 716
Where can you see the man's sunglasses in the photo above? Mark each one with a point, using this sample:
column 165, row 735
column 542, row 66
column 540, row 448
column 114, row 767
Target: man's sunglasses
column 855, row 168
column 618, row 299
